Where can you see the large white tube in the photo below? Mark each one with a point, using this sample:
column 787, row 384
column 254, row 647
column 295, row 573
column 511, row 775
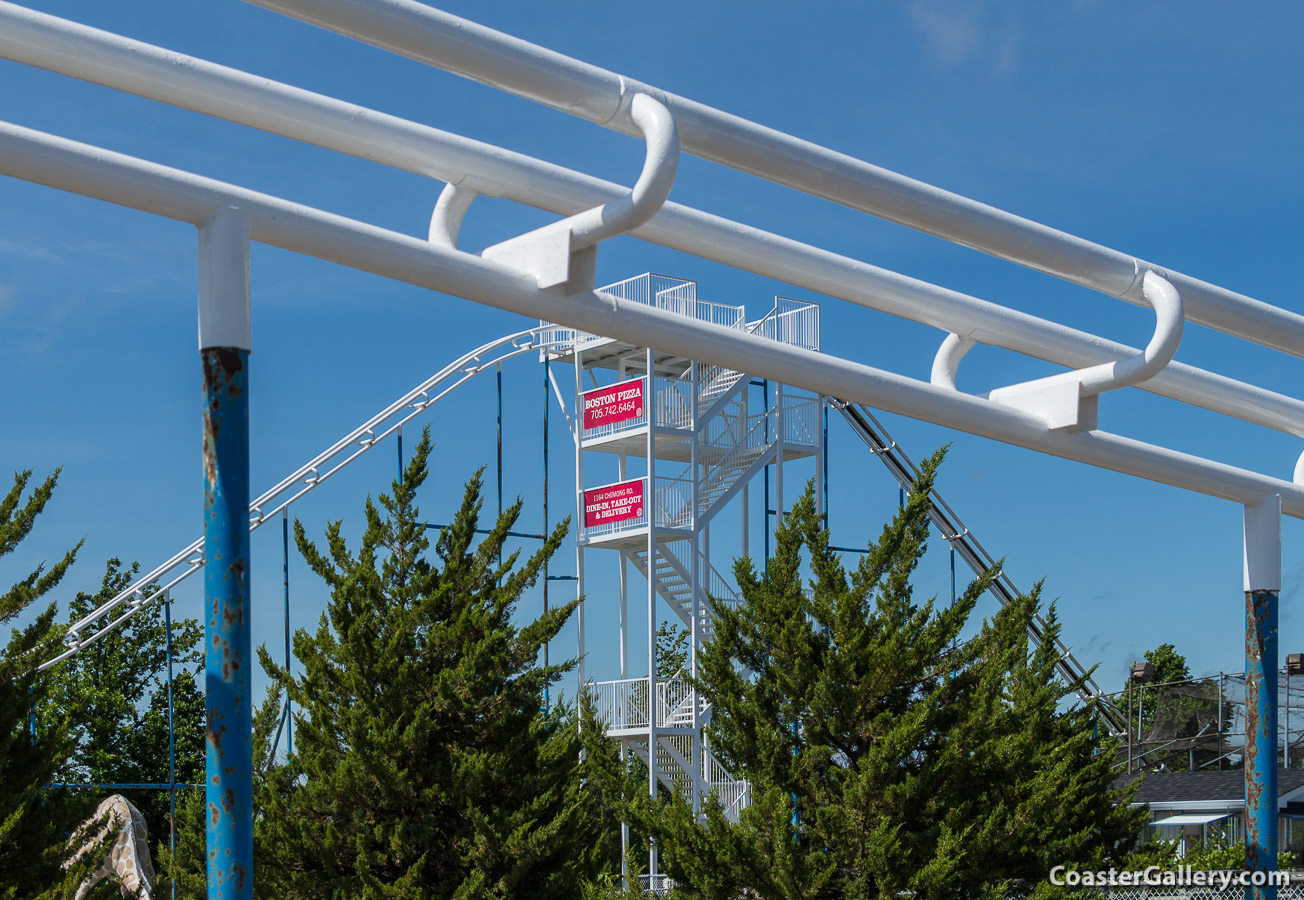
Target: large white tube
column 83, row 52
column 457, row 45
column 121, row 179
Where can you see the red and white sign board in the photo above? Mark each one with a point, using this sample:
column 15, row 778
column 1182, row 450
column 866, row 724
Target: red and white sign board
column 613, row 503
column 618, row 403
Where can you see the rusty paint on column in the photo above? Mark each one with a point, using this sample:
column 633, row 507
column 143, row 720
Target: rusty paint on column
column 229, row 773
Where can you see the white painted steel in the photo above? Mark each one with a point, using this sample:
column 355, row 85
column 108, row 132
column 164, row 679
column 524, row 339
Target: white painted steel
column 87, row 53
column 121, row 179
column 457, row 45
column 649, row 192
column 1262, row 545
column 224, row 316
column 946, row 364
column 1167, row 303
column 446, row 219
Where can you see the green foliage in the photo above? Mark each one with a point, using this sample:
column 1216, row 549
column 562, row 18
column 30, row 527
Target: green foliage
column 116, row 693
column 33, row 822
column 1175, row 719
column 885, row 755
column 1218, row 856
column 672, row 649
column 1169, row 664
column 187, row 867
column 424, row 765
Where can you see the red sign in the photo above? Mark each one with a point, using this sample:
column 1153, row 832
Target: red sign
column 618, row 403
column 613, row 503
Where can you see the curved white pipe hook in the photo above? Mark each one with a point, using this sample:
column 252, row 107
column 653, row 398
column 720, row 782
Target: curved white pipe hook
column 946, row 364
column 446, row 219
column 653, row 186
column 1169, row 322
column 1299, row 470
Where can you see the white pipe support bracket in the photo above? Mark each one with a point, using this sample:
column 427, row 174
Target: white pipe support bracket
column 446, row 219
column 224, row 314
column 660, row 163
column 562, row 253
column 1070, row 401
column 1298, row 477
column 1169, row 322
column 1263, row 545
column 946, row 364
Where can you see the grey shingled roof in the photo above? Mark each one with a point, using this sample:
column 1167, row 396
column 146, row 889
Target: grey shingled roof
column 1177, row 787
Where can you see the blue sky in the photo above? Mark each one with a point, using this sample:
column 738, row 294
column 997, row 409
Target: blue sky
column 1173, row 136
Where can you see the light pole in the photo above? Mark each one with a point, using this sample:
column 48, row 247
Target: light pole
column 1140, row 673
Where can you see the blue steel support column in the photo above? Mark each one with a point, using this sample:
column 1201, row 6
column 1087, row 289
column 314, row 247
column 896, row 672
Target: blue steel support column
column 224, row 341
column 547, row 402
column 285, row 572
column 172, row 742
column 1262, row 585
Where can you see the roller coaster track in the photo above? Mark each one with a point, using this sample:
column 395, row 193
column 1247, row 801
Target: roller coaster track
column 949, row 526
column 159, row 581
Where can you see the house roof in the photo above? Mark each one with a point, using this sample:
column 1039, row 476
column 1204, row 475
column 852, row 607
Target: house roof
column 1169, row 789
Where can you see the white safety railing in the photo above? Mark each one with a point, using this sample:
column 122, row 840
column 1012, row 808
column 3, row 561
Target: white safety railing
column 674, row 403
column 674, row 295
column 674, row 502
column 736, row 456
column 656, row 884
column 793, row 322
column 622, row 704
column 800, row 423
column 734, row 794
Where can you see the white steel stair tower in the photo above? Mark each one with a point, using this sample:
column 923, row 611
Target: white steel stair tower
column 695, row 431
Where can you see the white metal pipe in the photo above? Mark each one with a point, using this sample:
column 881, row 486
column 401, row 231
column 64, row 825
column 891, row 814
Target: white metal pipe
column 224, row 315
column 946, row 363
column 446, row 218
column 1167, row 303
column 457, row 45
column 87, row 53
column 137, row 184
column 650, row 190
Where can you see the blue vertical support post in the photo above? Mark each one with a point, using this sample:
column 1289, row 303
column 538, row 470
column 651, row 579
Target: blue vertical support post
column 285, row 574
column 499, row 380
column 824, row 462
column 765, row 529
column 172, row 741
column 224, row 345
column 1262, row 586
column 547, row 403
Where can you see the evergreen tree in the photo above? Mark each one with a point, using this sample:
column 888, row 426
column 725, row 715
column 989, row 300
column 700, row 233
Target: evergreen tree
column 885, row 754
column 34, row 823
column 115, row 691
column 424, row 765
